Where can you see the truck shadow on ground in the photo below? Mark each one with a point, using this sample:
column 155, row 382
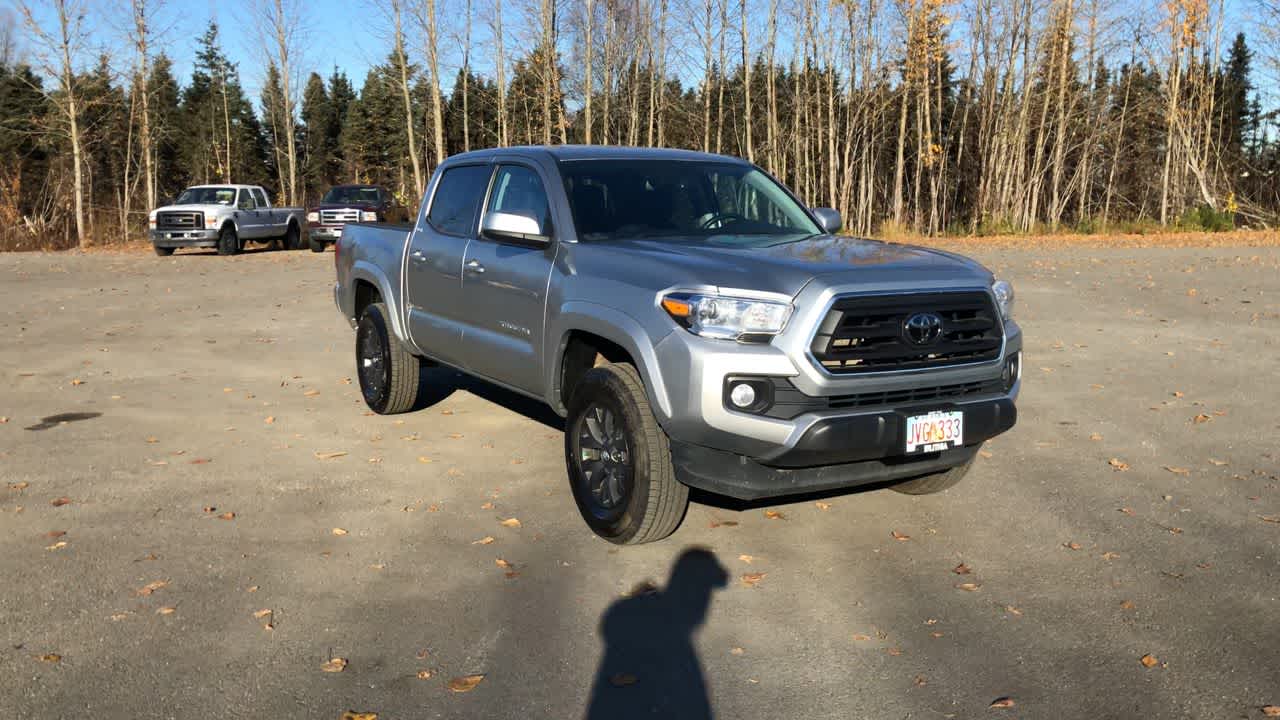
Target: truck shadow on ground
column 437, row 383
column 650, row 668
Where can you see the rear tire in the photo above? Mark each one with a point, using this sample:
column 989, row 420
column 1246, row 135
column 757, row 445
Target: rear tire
column 228, row 241
column 292, row 238
column 619, row 460
column 316, row 246
column 163, row 251
column 937, row 482
column 388, row 372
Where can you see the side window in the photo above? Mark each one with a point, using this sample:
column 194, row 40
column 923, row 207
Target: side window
column 460, row 190
column 518, row 190
column 261, row 197
column 246, row 200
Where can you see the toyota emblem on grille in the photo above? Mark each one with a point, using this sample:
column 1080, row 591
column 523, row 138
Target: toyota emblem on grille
column 922, row 328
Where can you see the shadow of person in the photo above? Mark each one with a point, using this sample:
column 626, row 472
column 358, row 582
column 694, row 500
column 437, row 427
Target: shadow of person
column 649, row 668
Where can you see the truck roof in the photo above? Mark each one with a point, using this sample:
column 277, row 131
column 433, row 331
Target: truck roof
column 599, row 152
column 226, row 185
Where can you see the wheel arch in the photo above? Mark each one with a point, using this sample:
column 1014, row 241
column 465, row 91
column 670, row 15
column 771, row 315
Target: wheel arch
column 373, row 279
column 586, row 330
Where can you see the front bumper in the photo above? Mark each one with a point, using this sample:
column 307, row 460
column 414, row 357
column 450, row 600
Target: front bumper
column 184, row 238
column 325, row 233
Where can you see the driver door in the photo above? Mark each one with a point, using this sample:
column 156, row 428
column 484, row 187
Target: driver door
column 248, row 224
column 504, row 285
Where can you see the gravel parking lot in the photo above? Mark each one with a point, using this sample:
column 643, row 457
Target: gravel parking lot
column 199, row 515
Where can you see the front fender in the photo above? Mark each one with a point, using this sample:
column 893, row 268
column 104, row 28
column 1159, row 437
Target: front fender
column 371, row 273
column 617, row 327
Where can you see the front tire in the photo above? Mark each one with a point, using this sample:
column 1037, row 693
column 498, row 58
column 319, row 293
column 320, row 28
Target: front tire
column 316, row 246
column 292, row 238
column 619, row 460
column 163, row 251
column 228, row 241
column 937, row 482
column 388, row 372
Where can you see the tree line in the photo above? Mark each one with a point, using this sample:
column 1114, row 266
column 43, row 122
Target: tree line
column 908, row 116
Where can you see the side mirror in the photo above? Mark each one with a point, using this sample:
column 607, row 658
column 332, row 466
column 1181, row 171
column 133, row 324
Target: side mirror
column 828, row 220
column 514, row 228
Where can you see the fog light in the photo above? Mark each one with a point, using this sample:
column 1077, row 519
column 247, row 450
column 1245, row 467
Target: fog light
column 742, row 395
column 1012, row 370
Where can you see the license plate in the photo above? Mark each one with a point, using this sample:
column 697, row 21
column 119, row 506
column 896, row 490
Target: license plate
column 935, row 431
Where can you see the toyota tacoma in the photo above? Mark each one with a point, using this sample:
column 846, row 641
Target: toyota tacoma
column 695, row 324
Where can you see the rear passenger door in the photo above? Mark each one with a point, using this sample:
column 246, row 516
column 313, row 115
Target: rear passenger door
column 433, row 269
column 504, row 285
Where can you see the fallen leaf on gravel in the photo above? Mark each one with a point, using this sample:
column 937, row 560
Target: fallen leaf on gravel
column 511, row 522
column 77, row 381
column 251, row 588
column 1002, row 702
column 453, row 472
column 1118, row 464
column 1177, row 470
column 227, row 516
column 200, row 461
column 1204, row 565
column 466, row 683
column 339, row 531
column 774, row 515
column 962, row 569
column 920, row 681
column 1110, row 555
column 1269, row 518
column 378, row 566
column 502, row 563
column 1149, row 661
column 19, row 485
column 330, row 455
column 723, row 523
column 1126, row 605
column 269, row 419
column 353, row 715
column 860, row 637
column 1201, row 418
column 57, row 546
column 1219, row 463
column 487, row 539
column 894, row 651
column 455, row 436
column 55, row 534
column 1072, row 545
column 1095, row 436
column 899, row 536
column 1271, row 710
column 424, row 674
column 424, row 459
column 1126, row 510
column 51, row 658
column 823, row 505
column 311, row 393
column 1013, row 610
column 487, row 506
column 334, row 665
column 968, row 587
column 752, row 579
column 210, row 509
column 3, row 419
column 737, row 651
column 59, row 502
column 151, row 587
column 264, row 612
column 166, row 610
column 622, row 680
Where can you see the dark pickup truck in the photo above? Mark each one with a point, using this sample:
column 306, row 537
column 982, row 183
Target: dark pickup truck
column 350, row 204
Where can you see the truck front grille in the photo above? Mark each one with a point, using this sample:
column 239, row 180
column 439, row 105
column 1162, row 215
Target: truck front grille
column 180, row 220
column 870, row 333
column 790, row 403
column 339, row 217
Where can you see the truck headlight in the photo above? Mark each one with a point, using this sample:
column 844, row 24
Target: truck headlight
column 1004, row 298
column 727, row 318
column 210, row 222
column 369, row 216
column 313, row 217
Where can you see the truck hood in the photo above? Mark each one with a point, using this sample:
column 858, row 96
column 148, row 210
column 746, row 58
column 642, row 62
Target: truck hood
column 770, row 264
column 207, row 209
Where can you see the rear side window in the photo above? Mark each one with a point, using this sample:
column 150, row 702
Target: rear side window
column 453, row 209
column 260, row 197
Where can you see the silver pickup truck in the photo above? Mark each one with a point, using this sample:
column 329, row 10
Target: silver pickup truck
column 695, row 324
column 225, row 217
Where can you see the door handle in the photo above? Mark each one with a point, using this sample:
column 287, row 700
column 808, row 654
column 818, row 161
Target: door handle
column 475, row 266
column 417, row 256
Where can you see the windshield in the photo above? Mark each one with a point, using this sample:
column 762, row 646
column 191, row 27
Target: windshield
column 207, row 196
column 360, row 195
column 613, row 199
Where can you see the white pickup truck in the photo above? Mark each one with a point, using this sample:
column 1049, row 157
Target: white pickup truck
column 225, row 217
